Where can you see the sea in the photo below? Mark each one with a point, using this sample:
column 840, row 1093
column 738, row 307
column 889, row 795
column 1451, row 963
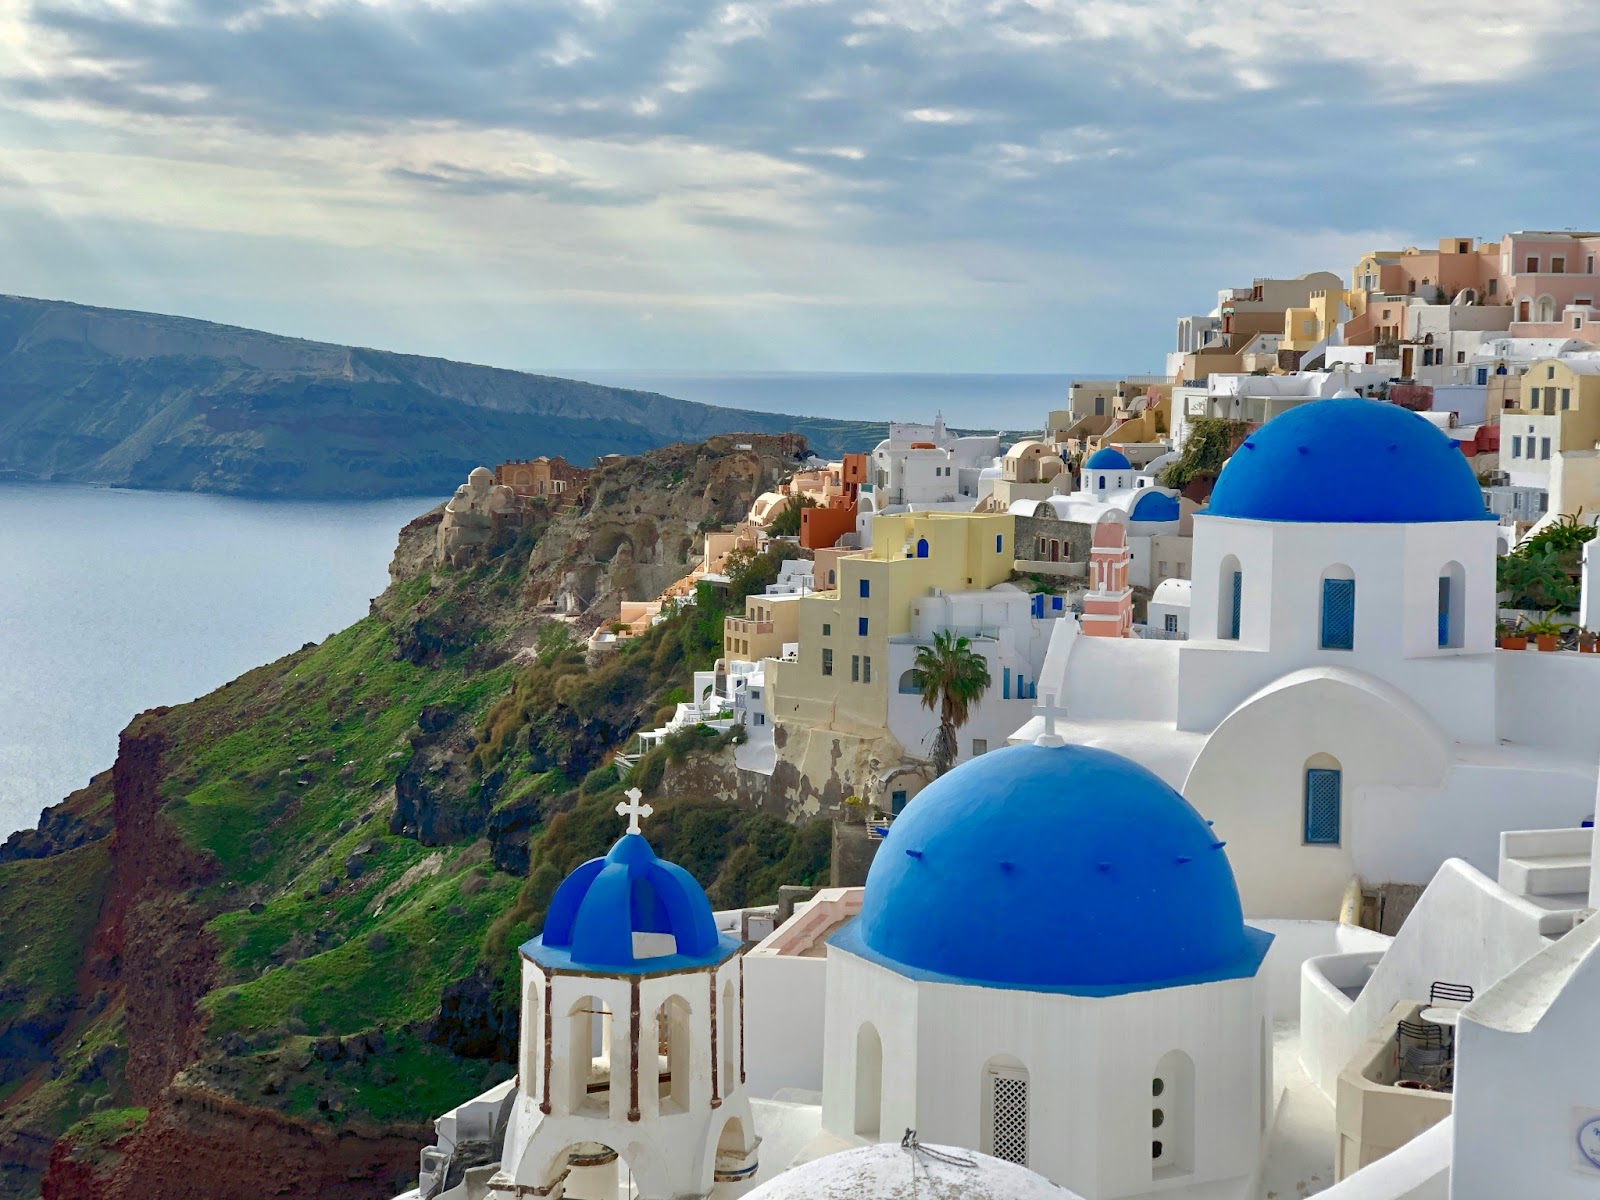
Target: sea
column 115, row 601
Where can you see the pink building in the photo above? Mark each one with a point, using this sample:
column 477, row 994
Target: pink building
column 1108, row 606
column 1550, row 281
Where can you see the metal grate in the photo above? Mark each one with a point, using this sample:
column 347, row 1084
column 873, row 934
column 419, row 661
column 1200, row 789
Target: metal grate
column 1238, row 604
column 1338, row 614
column 1322, row 807
column 1010, row 1119
column 1444, row 610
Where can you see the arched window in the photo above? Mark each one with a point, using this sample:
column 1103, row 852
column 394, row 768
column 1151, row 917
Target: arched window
column 1172, row 1116
column 869, row 1082
column 730, row 1018
column 1324, row 800
column 922, row 547
column 1452, row 605
column 1230, row 599
column 532, row 1042
column 1005, row 1110
column 1102, row 483
column 589, row 1051
column 1338, row 609
column 1546, row 310
column 908, row 683
column 673, row 1034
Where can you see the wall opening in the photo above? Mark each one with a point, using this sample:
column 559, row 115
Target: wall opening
column 869, row 1082
column 590, row 1052
column 1324, row 801
column 1452, row 606
column 922, row 547
column 673, row 1034
column 1005, row 1110
column 908, row 683
column 728, row 1022
column 1172, row 1116
column 1230, row 599
column 532, row 1041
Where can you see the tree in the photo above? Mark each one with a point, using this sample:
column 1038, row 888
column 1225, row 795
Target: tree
column 787, row 522
column 952, row 678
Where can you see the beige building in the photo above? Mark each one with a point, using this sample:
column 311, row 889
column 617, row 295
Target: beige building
column 831, row 704
column 769, row 624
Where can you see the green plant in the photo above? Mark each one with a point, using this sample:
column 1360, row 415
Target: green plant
column 1540, row 577
column 787, row 522
column 1547, row 626
column 952, row 678
column 1210, row 441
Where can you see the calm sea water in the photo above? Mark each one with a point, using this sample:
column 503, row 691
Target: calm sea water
column 112, row 602
column 1016, row 403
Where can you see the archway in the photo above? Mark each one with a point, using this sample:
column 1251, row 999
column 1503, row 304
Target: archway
column 532, row 1043
column 909, row 685
column 1172, row 1116
column 589, row 1051
column 730, row 1018
column 1452, row 606
column 673, row 1034
column 1230, row 599
column 922, row 547
column 1545, row 310
column 869, row 1082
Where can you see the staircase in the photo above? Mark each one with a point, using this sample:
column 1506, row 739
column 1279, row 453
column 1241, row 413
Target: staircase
column 1548, row 866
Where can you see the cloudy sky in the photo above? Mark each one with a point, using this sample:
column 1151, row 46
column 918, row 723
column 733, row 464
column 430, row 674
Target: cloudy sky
column 937, row 185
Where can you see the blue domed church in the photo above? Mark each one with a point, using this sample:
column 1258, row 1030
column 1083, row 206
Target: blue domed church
column 1051, row 966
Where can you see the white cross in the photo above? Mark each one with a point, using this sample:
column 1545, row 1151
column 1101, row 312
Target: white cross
column 633, row 810
column 1051, row 712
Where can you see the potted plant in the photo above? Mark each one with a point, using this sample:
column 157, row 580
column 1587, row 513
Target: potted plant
column 1588, row 641
column 1511, row 638
column 1546, row 632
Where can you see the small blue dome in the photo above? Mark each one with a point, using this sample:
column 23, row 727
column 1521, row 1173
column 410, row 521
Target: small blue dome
column 1061, row 869
column 1348, row 461
column 600, row 906
column 1154, row 506
column 1108, row 458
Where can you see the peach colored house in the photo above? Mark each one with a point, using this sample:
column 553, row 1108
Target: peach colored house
column 1108, row 605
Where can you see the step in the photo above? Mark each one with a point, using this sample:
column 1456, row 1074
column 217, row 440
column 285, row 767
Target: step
column 1547, row 875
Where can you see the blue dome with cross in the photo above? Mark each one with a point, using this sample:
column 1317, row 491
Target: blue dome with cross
column 1054, row 868
column 1108, row 458
column 1348, row 461
column 630, row 912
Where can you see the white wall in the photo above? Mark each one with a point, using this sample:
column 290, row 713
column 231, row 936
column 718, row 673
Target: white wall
column 785, row 1003
column 1419, row 1170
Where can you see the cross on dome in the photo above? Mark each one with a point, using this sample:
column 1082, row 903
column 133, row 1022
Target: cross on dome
column 1051, row 712
column 633, row 810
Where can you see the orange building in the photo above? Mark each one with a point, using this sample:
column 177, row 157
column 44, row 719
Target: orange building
column 553, row 477
column 835, row 513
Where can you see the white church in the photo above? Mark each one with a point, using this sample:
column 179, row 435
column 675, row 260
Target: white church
column 1112, row 960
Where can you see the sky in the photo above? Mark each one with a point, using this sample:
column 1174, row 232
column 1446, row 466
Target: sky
column 904, row 185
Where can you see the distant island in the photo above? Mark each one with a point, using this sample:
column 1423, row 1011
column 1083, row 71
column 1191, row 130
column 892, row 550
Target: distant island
column 132, row 399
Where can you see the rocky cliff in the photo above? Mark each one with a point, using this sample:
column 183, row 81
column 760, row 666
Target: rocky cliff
column 258, row 955
column 93, row 395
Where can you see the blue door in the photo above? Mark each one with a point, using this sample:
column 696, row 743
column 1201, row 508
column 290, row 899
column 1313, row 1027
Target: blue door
column 1338, row 614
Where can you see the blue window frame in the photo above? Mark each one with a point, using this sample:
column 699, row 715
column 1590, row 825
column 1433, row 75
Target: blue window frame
column 1323, row 785
column 1444, row 610
column 861, row 627
column 1238, row 605
column 1338, row 614
column 999, row 543
column 866, row 589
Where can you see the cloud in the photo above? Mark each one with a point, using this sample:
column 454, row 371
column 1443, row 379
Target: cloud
column 816, row 153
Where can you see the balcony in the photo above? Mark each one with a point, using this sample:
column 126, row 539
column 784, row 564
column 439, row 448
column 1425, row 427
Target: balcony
column 744, row 627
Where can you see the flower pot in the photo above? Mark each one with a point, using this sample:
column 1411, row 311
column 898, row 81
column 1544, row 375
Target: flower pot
column 1546, row 641
column 1588, row 648
column 1510, row 642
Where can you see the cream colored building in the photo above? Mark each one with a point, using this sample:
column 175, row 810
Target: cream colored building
column 831, row 705
column 769, row 624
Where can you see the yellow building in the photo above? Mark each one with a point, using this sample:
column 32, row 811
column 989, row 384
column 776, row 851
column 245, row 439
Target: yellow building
column 1305, row 326
column 838, row 689
column 768, row 624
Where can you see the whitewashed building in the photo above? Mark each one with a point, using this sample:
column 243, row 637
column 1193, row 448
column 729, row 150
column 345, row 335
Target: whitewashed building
column 924, row 468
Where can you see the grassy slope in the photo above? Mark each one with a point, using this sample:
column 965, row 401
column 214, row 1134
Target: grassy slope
column 332, row 927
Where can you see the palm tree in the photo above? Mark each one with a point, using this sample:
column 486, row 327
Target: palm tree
column 952, row 677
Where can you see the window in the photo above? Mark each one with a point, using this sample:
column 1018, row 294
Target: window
column 1558, row 265
column 827, row 662
column 1533, row 398
column 1566, row 398
column 980, row 746
column 1323, row 785
column 1005, row 1115
column 1172, row 1116
column 1461, row 357
column 866, row 668
column 1544, row 447
column 1494, row 286
column 1516, row 447
column 1533, row 263
column 861, row 627
column 855, row 668
column 1099, row 406
column 1549, row 372
column 999, row 543
column 761, row 718
column 1230, row 599
column 1102, row 483
column 1171, row 623
column 922, row 547
column 1338, row 612
column 866, row 588
column 827, row 629
column 897, row 801
column 1588, row 265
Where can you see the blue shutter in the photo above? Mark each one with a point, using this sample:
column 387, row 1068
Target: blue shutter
column 1444, row 610
column 1322, row 806
column 1238, row 604
column 1338, row 614
column 861, row 627
column 866, row 588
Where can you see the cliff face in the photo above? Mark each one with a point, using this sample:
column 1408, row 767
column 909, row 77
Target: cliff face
column 94, row 395
column 279, row 936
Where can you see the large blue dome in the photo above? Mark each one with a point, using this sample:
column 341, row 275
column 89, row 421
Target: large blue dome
column 1063, row 869
column 1348, row 461
column 599, row 908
